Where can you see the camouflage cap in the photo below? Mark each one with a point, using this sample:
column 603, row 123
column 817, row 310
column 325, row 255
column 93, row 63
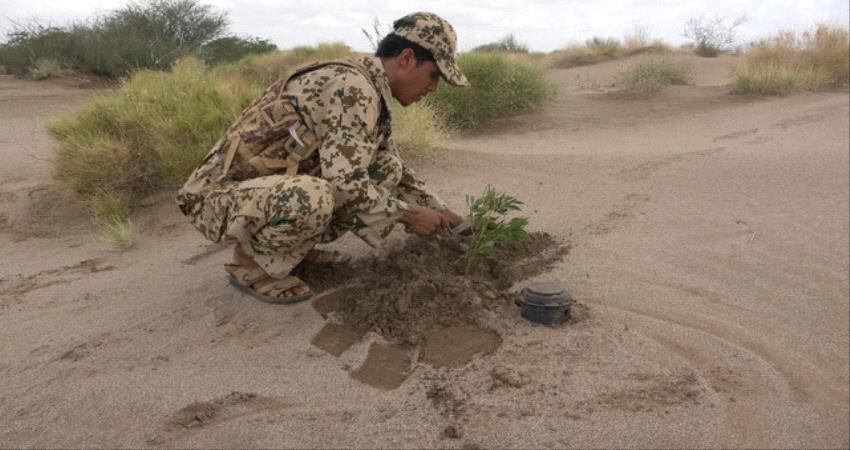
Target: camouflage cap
column 436, row 35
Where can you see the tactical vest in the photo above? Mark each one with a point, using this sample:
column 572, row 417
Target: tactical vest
column 292, row 141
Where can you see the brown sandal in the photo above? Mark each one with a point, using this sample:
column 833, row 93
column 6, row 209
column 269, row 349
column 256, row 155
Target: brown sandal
column 327, row 257
column 244, row 278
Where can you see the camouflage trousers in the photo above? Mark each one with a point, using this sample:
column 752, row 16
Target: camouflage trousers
column 277, row 219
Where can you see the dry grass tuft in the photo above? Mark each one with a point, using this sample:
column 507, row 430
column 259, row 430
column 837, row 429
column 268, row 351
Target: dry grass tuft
column 598, row 50
column 45, row 68
column 418, row 129
column 120, row 233
column 649, row 73
column 813, row 60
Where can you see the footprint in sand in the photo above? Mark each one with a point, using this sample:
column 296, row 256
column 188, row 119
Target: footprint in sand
column 199, row 415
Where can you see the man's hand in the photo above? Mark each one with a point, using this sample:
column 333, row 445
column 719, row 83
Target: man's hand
column 422, row 221
column 449, row 219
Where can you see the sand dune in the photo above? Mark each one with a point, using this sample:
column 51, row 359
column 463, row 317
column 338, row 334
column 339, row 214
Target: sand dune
column 708, row 245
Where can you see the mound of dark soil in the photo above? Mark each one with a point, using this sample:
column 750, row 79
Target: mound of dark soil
column 418, row 295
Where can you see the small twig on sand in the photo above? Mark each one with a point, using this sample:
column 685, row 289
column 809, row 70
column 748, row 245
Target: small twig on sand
column 750, row 241
column 739, row 221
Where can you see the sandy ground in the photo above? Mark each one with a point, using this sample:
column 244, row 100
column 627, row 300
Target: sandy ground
column 709, row 240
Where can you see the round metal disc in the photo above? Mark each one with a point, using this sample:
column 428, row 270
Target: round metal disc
column 545, row 288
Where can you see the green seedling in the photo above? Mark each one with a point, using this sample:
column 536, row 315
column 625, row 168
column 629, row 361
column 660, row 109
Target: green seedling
column 491, row 226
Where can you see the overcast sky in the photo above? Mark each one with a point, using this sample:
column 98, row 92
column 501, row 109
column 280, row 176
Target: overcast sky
column 543, row 25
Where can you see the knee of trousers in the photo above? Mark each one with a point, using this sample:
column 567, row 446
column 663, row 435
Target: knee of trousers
column 303, row 203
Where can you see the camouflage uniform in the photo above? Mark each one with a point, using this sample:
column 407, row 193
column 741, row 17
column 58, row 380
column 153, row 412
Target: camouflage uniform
column 309, row 159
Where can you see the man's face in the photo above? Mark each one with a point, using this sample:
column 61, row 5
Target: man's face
column 415, row 81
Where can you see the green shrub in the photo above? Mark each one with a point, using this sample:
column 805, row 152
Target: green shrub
column 649, row 73
column 508, row 44
column 499, row 86
column 233, row 48
column 27, row 45
column 789, row 62
column 151, row 134
column 490, row 226
column 153, row 34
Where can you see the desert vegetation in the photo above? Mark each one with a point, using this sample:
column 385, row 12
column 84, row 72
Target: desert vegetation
column 791, row 61
column 499, row 85
column 158, row 124
column 600, row 49
column 184, row 81
column 649, row 73
column 713, row 35
column 146, row 35
column 508, row 44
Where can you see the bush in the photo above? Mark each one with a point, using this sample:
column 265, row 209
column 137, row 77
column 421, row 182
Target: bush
column 712, row 35
column 788, row 62
column 45, row 68
column 151, row 134
column 499, row 87
column 602, row 46
column 648, row 74
column 150, row 35
column 263, row 70
column 507, row 44
column 232, row 48
column 418, row 128
column 27, row 45
column 574, row 56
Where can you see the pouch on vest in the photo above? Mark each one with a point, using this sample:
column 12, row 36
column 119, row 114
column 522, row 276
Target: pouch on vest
column 273, row 140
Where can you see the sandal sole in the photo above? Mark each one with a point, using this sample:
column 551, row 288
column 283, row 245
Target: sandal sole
column 267, row 298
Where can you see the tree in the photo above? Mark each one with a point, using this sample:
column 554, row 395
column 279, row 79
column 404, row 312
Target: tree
column 713, row 35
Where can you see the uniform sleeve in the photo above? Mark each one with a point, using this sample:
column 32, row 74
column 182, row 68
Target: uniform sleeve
column 412, row 189
column 344, row 123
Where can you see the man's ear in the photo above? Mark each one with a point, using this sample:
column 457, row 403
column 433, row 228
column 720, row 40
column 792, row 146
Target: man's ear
column 407, row 58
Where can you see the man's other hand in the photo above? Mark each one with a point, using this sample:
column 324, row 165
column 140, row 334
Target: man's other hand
column 422, row 221
column 449, row 219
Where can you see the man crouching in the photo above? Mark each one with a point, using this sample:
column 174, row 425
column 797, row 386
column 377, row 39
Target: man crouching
column 312, row 157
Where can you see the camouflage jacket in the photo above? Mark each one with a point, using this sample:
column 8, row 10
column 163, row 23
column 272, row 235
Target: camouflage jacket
column 342, row 109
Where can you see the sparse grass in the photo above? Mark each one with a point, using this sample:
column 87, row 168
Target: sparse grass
column 121, row 233
column 508, row 44
column 604, row 46
column 499, row 86
column 599, row 50
column 789, row 61
column 639, row 37
column 45, row 68
column 576, row 55
column 649, row 73
column 418, row 128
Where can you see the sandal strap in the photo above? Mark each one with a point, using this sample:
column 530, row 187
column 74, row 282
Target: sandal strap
column 246, row 276
column 318, row 256
column 280, row 286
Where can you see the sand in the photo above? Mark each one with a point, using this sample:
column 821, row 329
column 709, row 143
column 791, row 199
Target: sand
column 707, row 242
